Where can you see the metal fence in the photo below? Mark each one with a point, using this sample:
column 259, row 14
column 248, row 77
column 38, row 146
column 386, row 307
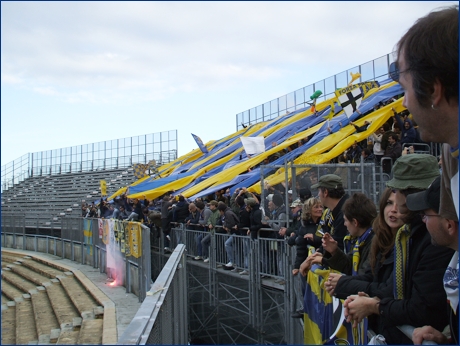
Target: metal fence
column 376, row 69
column 162, row 318
column 111, row 154
column 70, row 242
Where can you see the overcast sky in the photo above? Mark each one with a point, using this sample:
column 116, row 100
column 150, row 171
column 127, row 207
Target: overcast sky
column 82, row 72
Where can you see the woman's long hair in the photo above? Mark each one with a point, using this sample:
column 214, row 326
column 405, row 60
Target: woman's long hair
column 308, row 207
column 384, row 238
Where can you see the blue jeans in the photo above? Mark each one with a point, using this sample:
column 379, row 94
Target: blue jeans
column 205, row 242
column 178, row 232
column 229, row 249
column 199, row 246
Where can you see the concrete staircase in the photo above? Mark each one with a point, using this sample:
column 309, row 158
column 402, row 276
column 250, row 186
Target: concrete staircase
column 44, row 304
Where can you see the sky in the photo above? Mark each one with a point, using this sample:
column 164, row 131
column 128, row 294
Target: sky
column 82, row 72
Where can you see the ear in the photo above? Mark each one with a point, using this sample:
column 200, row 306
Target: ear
column 438, row 93
column 355, row 222
column 452, row 228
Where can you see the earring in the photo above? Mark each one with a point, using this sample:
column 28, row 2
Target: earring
column 433, row 107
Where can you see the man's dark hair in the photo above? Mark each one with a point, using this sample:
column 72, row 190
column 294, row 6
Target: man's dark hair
column 239, row 200
column 304, row 194
column 199, row 205
column 277, row 200
column 395, row 137
column 430, row 50
column 222, row 206
column 181, row 198
column 337, row 193
column 361, row 208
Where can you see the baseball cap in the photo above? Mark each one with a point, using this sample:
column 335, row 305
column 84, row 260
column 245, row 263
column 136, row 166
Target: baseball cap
column 270, row 197
column 428, row 199
column 416, row 171
column 330, row 181
column 250, row 201
column 296, row 203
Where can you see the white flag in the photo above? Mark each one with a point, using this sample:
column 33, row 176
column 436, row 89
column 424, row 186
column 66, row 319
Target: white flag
column 253, row 145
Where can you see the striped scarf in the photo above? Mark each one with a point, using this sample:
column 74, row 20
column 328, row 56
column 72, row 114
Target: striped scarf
column 358, row 243
column 327, row 219
column 401, row 256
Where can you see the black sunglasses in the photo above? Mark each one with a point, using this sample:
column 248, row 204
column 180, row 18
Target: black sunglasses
column 394, row 72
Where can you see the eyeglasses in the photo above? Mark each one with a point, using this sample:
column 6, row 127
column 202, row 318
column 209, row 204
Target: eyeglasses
column 394, row 72
column 425, row 216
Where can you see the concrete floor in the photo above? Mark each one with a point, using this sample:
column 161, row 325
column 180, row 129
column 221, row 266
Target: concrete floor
column 126, row 304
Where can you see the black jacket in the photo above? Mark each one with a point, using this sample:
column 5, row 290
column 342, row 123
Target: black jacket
column 306, row 227
column 255, row 218
column 180, row 212
column 343, row 262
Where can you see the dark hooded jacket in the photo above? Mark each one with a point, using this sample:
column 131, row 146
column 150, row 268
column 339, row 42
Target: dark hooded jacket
column 407, row 135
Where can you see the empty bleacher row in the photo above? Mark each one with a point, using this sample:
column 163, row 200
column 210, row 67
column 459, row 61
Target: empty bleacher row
column 44, row 200
column 45, row 304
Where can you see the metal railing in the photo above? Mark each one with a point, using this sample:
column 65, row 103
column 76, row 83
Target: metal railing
column 376, row 69
column 70, row 242
column 111, row 154
column 162, row 318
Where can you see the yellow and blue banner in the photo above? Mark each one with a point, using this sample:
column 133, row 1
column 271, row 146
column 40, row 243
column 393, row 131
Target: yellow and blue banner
column 88, row 235
column 200, row 143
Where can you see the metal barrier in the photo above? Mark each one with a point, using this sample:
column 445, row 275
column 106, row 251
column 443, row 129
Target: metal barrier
column 162, row 318
column 128, row 270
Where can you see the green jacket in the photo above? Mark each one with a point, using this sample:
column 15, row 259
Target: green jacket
column 215, row 215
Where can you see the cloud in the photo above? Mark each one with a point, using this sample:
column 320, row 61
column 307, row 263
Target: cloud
column 156, row 48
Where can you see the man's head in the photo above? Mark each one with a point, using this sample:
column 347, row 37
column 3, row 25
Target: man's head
column 296, row 206
column 213, row 205
column 412, row 173
column 277, row 200
column 222, row 207
column 192, row 207
column 393, row 138
column 359, row 211
column 329, row 187
column 250, row 202
column 427, row 69
column 443, row 232
column 199, row 205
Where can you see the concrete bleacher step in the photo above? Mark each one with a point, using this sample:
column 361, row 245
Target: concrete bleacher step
column 63, row 307
column 32, row 276
column 68, row 337
column 17, row 281
column 91, row 332
column 9, row 324
column 5, row 299
column 10, row 291
column 26, row 331
column 81, row 299
column 45, row 319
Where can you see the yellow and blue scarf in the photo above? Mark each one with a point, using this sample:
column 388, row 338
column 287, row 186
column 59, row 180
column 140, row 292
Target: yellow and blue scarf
column 401, row 256
column 358, row 243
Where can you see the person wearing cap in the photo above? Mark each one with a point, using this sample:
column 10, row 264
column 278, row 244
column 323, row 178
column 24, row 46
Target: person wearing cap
column 332, row 196
column 427, row 69
column 415, row 296
column 211, row 225
column 444, row 232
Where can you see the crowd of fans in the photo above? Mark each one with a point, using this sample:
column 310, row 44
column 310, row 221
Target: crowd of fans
column 397, row 263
